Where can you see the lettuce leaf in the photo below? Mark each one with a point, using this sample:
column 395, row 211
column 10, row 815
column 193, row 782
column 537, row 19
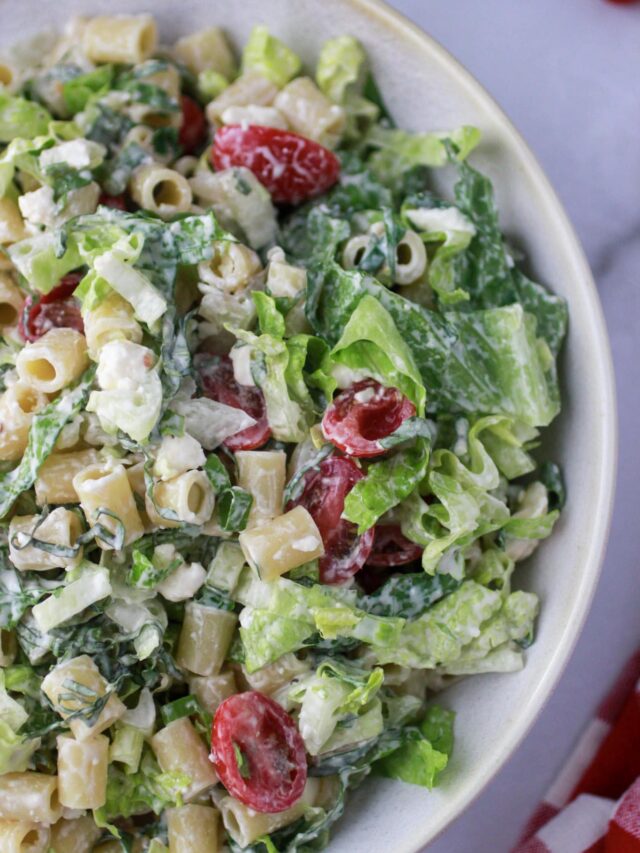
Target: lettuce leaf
column 398, row 151
column 423, row 756
column 149, row 789
column 486, row 272
column 386, row 484
column 270, row 57
column 439, row 636
column 371, row 342
column 341, row 67
column 483, row 361
column 21, row 118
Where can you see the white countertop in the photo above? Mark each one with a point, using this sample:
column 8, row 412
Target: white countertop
column 567, row 72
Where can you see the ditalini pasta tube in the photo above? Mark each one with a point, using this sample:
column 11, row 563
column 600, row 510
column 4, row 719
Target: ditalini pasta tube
column 286, row 542
column 99, row 488
column 54, row 483
column 111, row 320
column 178, row 747
column 18, row 405
column 29, row 796
column 263, row 474
column 61, row 527
column 193, row 829
column 82, row 771
column 245, row 825
column 162, row 191
column 22, row 836
column 250, row 88
column 310, row 113
column 75, row 685
column 212, row 690
column 54, row 361
column 205, row 638
column 120, row 38
column 206, row 50
column 11, row 222
column 77, row 835
column 11, row 303
column 189, row 495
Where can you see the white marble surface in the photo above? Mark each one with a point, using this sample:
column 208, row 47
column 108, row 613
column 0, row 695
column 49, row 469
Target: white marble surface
column 567, row 72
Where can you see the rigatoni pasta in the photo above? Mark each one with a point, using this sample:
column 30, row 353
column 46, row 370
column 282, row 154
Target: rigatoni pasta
column 54, row 361
column 286, row 542
column 75, row 835
column 29, row 797
column 193, row 829
column 162, row 191
column 23, row 836
column 82, row 771
column 178, row 747
column 119, row 38
column 61, row 527
column 18, row 404
column 54, row 483
column 106, row 498
column 205, row 638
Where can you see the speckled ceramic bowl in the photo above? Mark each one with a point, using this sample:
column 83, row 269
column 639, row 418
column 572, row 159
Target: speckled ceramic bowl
column 427, row 89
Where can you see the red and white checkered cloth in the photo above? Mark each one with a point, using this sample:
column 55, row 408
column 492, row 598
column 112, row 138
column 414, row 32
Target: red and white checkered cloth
column 594, row 804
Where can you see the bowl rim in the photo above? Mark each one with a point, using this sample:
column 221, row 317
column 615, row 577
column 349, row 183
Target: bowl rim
column 402, row 27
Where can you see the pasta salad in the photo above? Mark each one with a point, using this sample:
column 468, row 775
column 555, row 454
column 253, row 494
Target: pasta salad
column 269, row 401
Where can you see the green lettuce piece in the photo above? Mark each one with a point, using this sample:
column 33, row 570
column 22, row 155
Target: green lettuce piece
column 21, row 118
column 335, row 692
column 439, row 636
column 425, row 753
column 279, row 616
column 341, row 67
column 149, row 789
column 15, row 750
column 409, row 596
column 487, row 273
column 397, row 151
column 79, row 90
column 452, row 232
column 43, row 434
column 270, row 57
column 37, row 259
column 266, row 637
column 494, row 649
column 386, row 484
column 211, row 84
column 286, row 417
column 371, row 342
column 416, row 762
column 487, row 362
column 234, row 503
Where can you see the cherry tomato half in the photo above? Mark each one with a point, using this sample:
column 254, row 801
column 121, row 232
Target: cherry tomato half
column 56, row 309
column 116, row 201
column 218, row 383
column 325, row 490
column 363, row 414
column 258, row 752
column 392, row 548
column 292, row 167
column 194, row 127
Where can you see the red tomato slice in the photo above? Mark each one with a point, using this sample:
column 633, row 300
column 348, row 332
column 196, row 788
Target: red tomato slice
column 194, row 127
column 292, row 167
column 116, row 201
column 258, row 752
column 392, row 548
column 323, row 497
column 218, row 383
column 361, row 415
column 56, row 309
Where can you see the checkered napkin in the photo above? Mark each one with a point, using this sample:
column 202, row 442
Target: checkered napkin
column 594, row 804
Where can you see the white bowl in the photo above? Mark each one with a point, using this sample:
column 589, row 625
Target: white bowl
column 427, row 89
